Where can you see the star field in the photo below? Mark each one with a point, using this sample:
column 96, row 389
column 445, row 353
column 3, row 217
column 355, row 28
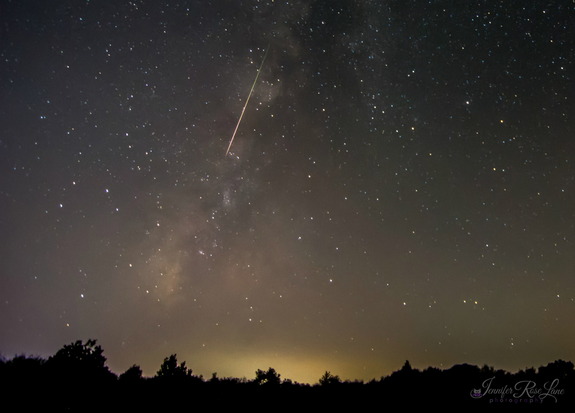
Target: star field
column 401, row 185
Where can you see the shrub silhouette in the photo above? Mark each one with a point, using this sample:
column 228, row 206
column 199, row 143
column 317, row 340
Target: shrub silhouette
column 79, row 361
column 171, row 369
column 76, row 378
column 132, row 375
column 559, row 369
column 269, row 377
column 329, row 379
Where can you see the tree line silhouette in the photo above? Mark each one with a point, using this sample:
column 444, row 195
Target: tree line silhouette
column 77, row 378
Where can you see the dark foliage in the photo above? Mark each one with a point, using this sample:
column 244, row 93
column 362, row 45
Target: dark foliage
column 76, row 378
column 171, row 370
column 268, row 378
column 132, row 375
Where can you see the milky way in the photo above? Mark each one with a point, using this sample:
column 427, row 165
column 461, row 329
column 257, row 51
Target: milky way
column 401, row 186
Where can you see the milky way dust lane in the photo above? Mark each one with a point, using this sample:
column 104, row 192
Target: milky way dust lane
column 247, row 100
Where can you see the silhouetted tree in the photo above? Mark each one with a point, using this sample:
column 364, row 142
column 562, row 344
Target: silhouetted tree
column 23, row 369
column 133, row 374
column 487, row 370
column 406, row 372
column 76, row 378
column 527, row 374
column 80, row 360
column 406, row 367
column 269, row 377
column 171, row 369
column 329, row 379
column 559, row 369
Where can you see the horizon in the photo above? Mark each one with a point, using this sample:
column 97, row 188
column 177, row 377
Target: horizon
column 311, row 377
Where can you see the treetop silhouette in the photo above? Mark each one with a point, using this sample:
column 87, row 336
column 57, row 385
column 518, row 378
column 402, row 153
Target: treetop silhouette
column 77, row 376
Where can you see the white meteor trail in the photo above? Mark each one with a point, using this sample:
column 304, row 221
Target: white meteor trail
column 247, row 100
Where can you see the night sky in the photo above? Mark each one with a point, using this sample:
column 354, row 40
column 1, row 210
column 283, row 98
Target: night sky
column 401, row 185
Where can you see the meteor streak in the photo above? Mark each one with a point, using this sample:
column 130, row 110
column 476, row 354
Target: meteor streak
column 247, row 100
